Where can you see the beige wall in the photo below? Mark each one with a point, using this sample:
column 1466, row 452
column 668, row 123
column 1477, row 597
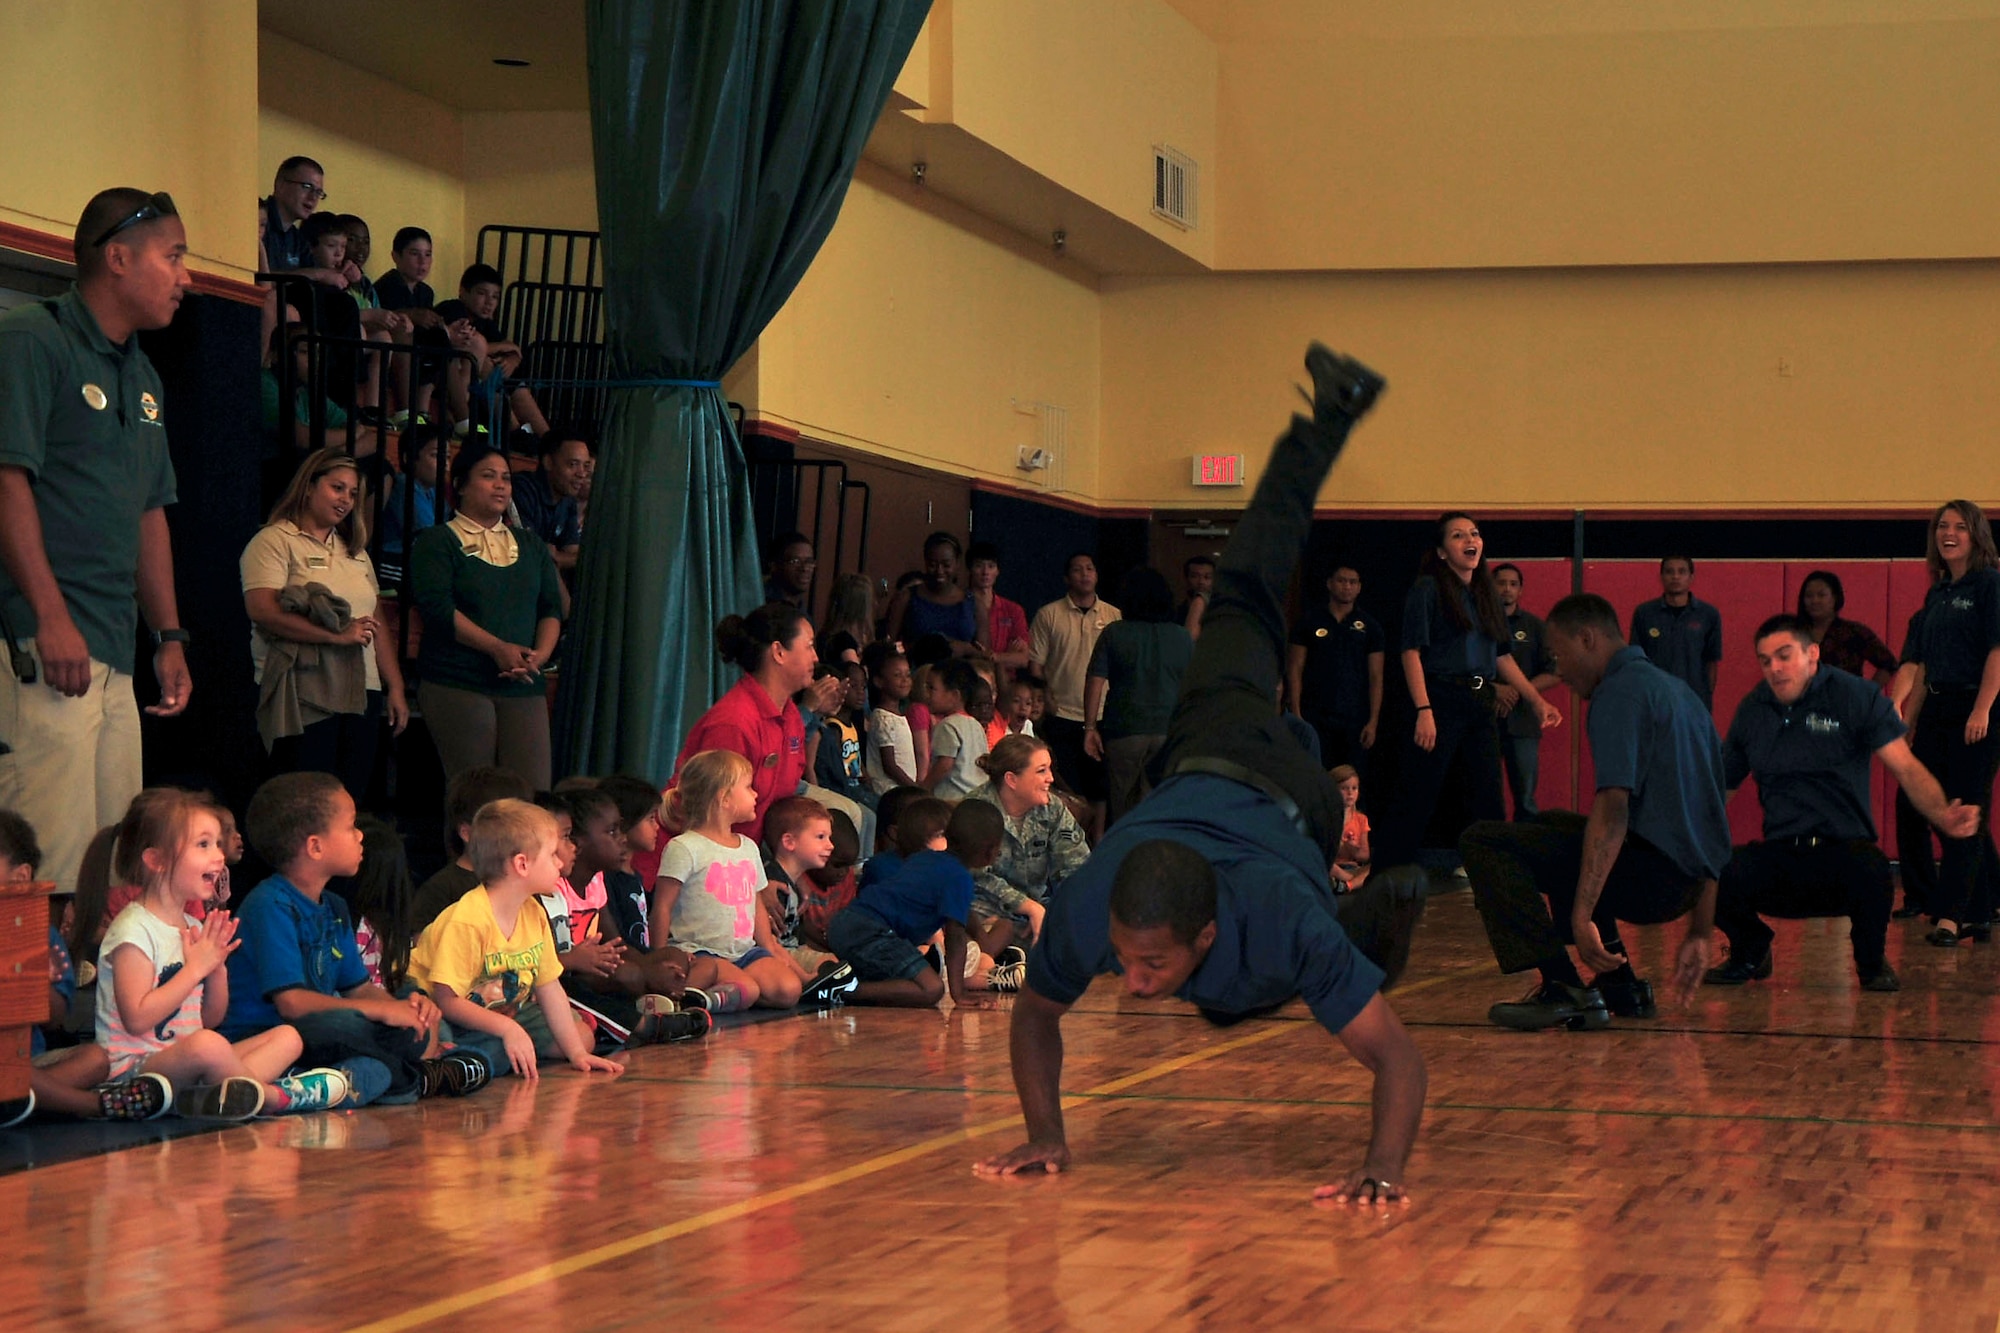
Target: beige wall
column 159, row 94
column 1626, row 388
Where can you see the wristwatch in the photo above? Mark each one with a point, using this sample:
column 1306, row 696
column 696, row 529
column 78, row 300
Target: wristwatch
column 162, row 637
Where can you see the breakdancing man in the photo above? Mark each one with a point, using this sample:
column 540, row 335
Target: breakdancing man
column 1214, row 888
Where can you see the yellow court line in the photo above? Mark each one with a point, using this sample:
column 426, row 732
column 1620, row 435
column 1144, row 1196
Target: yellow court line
column 619, row 1249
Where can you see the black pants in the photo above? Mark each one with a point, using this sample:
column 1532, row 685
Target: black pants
column 1521, row 756
column 1340, row 743
column 1970, row 867
column 1467, row 752
column 1084, row 775
column 1916, row 857
column 1783, row 879
column 1514, row 867
column 1228, row 705
column 334, row 1035
column 343, row 746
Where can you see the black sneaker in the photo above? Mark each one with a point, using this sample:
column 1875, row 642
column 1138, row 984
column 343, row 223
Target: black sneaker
column 695, row 998
column 235, row 1098
column 835, row 982
column 1013, row 953
column 1343, row 388
column 1553, row 1004
column 1006, row 978
column 1882, row 980
column 1625, row 998
column 145, row 1096
column 16, row 1109
column 1381, row 915
column 1736, row 971
column 456, row 1074
column 687, row 1025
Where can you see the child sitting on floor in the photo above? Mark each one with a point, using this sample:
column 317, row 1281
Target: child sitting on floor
column 489, row 961
column 957, row 738
column 165, row 988
column 823, row 892
column 1350, row 863
column 300, row 964
column 799, row 832
column 880, row 932
column 71, row 1079
column 706, row 897
column 917, row 825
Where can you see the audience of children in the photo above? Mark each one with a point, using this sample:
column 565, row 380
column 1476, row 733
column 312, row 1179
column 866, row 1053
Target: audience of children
column 1350, row 863
column 799, row 834
column 958, row 740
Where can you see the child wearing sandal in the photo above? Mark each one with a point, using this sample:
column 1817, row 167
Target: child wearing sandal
column 705, row 900
column 163, row 988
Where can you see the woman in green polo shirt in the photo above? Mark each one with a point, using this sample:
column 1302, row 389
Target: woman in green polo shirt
column 318, row 535
column 491, row 607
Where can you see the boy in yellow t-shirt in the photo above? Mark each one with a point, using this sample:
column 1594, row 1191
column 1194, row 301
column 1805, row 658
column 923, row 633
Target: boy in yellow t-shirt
column 489, row 960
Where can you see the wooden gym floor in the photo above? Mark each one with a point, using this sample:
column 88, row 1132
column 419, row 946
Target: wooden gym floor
column 1794, row 1154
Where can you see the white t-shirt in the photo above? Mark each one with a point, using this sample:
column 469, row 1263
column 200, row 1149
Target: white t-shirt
column 717, row 909
column 962, row 740
column 161, row 944
column 889, row 733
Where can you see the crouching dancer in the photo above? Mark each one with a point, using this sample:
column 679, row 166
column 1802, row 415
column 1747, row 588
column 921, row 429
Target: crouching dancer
column 1214, row 888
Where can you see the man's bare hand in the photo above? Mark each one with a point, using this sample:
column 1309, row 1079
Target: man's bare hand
column 1366, row 1187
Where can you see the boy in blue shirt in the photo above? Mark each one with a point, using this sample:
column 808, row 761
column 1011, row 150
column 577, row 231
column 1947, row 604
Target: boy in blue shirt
column 881, row 932
column 299, row 963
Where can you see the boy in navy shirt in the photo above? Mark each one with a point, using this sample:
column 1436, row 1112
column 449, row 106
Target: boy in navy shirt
column 1806, row 734
column 879, row 933
column 299, row 963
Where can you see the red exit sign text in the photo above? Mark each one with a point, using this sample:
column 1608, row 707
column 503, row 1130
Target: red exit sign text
column 1218, row 469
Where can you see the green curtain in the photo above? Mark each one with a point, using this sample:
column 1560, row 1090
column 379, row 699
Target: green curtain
column 726, row 132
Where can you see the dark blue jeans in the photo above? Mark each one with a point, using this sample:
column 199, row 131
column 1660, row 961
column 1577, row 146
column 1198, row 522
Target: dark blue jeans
column 334, row 1035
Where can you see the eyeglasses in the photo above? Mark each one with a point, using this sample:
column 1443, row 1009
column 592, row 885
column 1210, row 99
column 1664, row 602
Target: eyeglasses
column 310, row 190
column 799, row 562
column 157, row 206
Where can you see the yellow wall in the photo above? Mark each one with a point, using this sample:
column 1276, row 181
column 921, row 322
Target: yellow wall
column 1352, row 145
column 160, row 94
column 1082, row 92
column 916, row 336
column 1587, row 388
column 528, row 168
column 391, row 156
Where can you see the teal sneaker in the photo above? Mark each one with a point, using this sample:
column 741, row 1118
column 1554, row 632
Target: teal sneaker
column 315, row 1090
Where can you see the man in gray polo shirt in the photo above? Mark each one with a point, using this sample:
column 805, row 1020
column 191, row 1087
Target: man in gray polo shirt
column 1651, row 851
column 84, row 479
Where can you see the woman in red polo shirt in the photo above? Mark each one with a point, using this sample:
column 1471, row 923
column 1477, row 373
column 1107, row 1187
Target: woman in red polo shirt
column 773, row 646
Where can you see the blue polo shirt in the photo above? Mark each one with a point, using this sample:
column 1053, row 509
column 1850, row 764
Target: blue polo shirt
column 1276, row 934
column 1959, row 626
column 1333, row 681
column 1446, row 649
column 1810, row 757
column 1680, row 640
column 289, row 941
column 1651, row 736
column 928, row 890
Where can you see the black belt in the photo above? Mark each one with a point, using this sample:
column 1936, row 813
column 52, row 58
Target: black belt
column 1469, row 682
column 1951, row 689
column 1807, row 841
column 1235, row 772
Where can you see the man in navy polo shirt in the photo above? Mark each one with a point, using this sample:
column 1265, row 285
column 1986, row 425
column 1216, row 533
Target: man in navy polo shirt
column 1214, row 888
column 1680, row 633
column 1333, row 672
column 1656, row 839
column 1806, row 734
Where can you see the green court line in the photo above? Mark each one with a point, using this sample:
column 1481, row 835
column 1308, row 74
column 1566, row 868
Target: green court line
column 1192, row 1099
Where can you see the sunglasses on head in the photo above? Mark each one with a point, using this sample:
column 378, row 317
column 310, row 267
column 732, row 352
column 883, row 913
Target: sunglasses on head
column 156, row 207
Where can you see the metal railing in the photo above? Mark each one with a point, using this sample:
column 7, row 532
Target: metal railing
column 777, row 502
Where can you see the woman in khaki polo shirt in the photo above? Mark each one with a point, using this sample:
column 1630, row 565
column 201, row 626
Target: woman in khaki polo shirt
column 318, row 533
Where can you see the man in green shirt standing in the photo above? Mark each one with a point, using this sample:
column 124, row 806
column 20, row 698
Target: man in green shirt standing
column 84, row 481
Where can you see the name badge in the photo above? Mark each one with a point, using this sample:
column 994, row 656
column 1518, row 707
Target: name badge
column 315, row 562
column 95, row 397
column 770, row 761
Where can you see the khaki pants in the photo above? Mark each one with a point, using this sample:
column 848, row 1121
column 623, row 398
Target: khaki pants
column 76, row 762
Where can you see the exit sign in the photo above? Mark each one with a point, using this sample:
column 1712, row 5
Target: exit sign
column 1218, row 469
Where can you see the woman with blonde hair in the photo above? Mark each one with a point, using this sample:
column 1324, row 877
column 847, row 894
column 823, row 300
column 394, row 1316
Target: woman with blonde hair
column 327, row 669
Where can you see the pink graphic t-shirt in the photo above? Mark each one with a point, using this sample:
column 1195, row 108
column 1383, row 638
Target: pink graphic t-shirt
column 717, row 909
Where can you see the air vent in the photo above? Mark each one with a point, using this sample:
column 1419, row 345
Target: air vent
column 1174, row 186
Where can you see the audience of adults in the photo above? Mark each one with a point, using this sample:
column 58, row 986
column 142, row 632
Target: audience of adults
column 1060, row 642
column 1138, row 662
column 773, row 648
column 491, row 602
column 546, row 499
column 1000, row 625
column 321, row 710
column 84, row 484
column 937, row 605
column 789, row 569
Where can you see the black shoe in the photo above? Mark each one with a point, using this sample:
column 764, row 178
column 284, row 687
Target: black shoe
column 1381, row 916
column 1738, row 970
column 1013, row 953
column 1945, row 937
column 935, row 959
column 835, row 982
column 1978, row 931
column 686, row 1025
column 456, row 1074
column 17, row 1109
column 1882, row 980
column 1627, row 999
column 1343, row 388
column 1905, row 912
column 1551, row 1005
